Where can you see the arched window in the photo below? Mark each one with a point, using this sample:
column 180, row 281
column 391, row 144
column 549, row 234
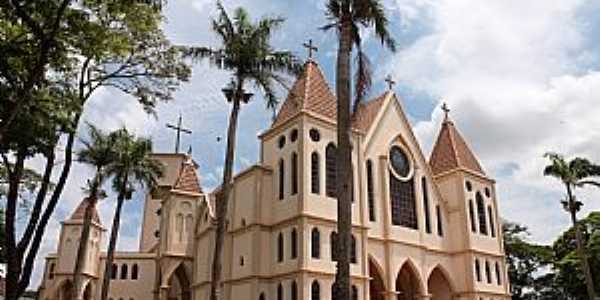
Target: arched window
column 333, row 242
column 294, row 243
column 492, row 224
column 331, row 171
column 315, row 291
column 262, row 296
column 488, row 275
column 354, row 295
column 281, row 179
column 179, row 226
column 438, row 214
column 498, row 275
column 402, row 194
column 279, row 292
column 370, row 191
column 472, row 216
column 294, row 291
column 315, row 170
column 123, row 271
column 315, row 240
column 425, row 190
column 294, row 173
column 280, row 247
column 134, row 272
column 477, row 270
column 51, row 271
column 481, row 214
column 114, row 271
column 353, row 249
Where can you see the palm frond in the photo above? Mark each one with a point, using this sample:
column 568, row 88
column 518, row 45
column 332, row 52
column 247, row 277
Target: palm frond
column 223, row 25
column 372, row 12
column 362, row 78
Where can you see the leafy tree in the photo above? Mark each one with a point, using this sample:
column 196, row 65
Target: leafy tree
column 525, row 261
column 132, row 166
column 246, row 52
column 575, row 173
column 103, row 44
column 347, row 16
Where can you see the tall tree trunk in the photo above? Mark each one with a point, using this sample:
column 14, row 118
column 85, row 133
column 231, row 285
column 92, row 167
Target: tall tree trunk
column 223, row 196
column 114, row 235
column 589, row 281
column 85, row 235
column 344, row 162
column 13, row 256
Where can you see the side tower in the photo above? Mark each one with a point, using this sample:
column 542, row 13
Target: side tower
column 472, row 198
column 60, row 285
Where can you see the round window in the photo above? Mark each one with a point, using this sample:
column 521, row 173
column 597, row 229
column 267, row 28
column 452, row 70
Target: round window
column 315, row 136
column 399, row 162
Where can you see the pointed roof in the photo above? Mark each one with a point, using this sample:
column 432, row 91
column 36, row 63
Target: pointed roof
column 79, row 212
column 187, row 180
column 365, row 114
column 310, row 93
column 452, row 152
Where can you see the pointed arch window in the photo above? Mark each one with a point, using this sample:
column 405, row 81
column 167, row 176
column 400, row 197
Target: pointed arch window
column 114, row 271
column 353, row 250
column 294, row 173
column 488, row 275
column 280, row 247
column 124, row 271
column 481, row 214
column 440, row 224
column 51, row 271
column 370, row 191
column 294, row 243
column 402, row 194
column 134, row 272
column 472, row 216
column 333, row 238
column 294, row 291
column 425, row 190
column 477, row 270
column 315, row 170
column 315, row 247
column 498, row 275
column 315, row 291
column 279, row 292
column 262, row 296
column 331, row 171
column 281, row 179
column 354, row 295
column 492, row 223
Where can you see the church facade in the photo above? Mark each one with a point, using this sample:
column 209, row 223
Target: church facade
column 422, row 228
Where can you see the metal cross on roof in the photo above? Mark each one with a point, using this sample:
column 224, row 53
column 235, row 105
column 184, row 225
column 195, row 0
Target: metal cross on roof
column 390, row 82
column 179, row 130
column 446, row 110
column 310, row 48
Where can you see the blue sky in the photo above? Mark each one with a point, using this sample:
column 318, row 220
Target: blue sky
column 522, row 78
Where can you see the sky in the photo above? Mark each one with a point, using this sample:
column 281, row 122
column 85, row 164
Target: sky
column 522, row 78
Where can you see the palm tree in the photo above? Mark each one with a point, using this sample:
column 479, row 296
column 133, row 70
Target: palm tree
column 132, row 167
column 97, row 152
column 576, row 173
column 347, row 16
column 247, row 53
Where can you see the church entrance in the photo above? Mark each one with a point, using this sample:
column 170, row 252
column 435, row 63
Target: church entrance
column 439, row 286
column 376, row 286
column 179, row 285
column 65, row 291
column 407, row 283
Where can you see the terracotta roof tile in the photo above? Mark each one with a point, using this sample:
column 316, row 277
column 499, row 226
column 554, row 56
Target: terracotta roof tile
column 188, row 179
column 367, row 112
column 310, row 92
column 79, row 212
column 452, row 152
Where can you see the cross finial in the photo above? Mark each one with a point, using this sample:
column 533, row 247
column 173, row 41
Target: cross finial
column 390, row 82
column 446, row 110
column 179, row 130
column 310, row 48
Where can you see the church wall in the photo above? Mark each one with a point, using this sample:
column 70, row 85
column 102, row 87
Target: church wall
column 150, row 223
column 129, row 288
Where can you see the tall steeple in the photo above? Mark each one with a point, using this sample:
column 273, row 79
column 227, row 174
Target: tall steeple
column 451, row 151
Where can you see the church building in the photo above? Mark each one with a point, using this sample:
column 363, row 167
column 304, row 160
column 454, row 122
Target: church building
column 422, row 228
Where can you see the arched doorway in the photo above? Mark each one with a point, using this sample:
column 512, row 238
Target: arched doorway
column 65, row 292
column 179, row 285
column 439, row 286
column 376, row 286
column 407, row 283
column 87, row 293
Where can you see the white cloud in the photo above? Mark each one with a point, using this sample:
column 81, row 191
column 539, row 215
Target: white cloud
column 510, row 72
